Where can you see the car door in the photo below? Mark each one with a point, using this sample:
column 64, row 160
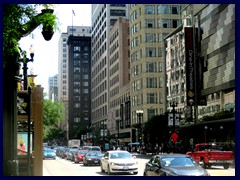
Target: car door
column 149, row 167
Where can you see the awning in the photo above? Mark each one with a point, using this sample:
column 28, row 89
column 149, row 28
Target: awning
column 135, row 143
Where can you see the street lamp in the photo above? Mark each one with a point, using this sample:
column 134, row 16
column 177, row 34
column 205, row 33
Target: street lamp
column 205, row 133
column 103, row 133
column 140, row 119
column 118, row 127
column 173, row 121
column 26, row 60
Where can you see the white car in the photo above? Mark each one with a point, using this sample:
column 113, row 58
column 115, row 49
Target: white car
column 119, row 162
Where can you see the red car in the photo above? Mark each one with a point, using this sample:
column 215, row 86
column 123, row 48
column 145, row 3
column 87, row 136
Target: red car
column 79, row 155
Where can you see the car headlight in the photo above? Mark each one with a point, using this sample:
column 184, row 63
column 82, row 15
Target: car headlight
column 89, row 159
column 113, row 164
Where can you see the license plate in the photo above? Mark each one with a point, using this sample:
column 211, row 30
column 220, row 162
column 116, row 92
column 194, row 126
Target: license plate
column 125, row 167
column 95, row 161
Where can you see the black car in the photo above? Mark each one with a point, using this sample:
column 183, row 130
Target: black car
column 92, row 157
column 173, row 165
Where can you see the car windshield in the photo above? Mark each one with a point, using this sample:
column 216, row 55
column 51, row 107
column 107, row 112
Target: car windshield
column 94, row 153
column 49, row 150
column 177, row 162
column 120, row 155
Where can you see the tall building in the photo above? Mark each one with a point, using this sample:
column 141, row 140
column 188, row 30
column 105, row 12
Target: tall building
column 53, row 87
column 63, row 67
column 79, row 83
column 149, row 25
column 104, row 17
column 119, row 78
column 200, row 68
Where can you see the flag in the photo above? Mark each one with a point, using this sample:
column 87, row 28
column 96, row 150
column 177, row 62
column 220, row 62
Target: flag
column 73, row 12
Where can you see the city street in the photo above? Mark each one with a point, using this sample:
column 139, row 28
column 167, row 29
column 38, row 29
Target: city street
column 62, row 167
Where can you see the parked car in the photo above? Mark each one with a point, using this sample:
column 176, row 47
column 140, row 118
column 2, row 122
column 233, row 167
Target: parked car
column 173, row 165
column 79, row 155
column 92, row 157
column 119, row 162
column 94, row 148
column 49, row 154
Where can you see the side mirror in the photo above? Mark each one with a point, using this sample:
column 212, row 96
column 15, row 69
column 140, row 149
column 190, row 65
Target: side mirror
column 105, row 157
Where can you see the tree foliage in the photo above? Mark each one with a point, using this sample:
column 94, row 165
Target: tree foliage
column 19, row 20
column 156, row 130
column 53, row 113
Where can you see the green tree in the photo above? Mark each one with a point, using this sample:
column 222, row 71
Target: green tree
column 53, row 112
column 19, row 20
column 156, row 130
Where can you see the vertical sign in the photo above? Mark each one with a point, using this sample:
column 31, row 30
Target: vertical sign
column 190, row 72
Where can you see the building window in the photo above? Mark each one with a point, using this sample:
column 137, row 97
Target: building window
column 150, row 52
column 175, row 10
column 149, row 9
column 150, row 37
column 151, row 82
column 151, row 98
column 150, row 23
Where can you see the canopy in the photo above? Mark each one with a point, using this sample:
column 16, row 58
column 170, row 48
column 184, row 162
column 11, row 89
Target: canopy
column 135, row 143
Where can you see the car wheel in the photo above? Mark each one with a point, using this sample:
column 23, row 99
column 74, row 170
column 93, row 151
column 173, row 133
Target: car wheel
column 135, row 172
column 203, row 164
column 102, row 170
column 109, row 172
column 226, row 166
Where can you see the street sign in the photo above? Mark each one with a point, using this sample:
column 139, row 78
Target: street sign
column 174, row 137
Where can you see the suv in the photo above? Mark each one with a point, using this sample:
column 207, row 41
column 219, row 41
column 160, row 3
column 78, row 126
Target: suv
column 94, row 148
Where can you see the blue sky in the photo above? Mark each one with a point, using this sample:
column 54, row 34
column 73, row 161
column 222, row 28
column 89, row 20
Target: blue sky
column 46, row 52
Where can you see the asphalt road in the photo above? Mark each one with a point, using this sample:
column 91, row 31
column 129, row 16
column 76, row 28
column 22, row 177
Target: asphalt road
column 62, row 167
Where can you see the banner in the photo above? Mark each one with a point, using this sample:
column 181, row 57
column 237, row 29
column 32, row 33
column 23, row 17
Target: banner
column 190, row 72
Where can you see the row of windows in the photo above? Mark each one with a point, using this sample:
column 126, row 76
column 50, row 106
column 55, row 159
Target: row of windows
column 151, row 67
column 114, row 69
column 113, row 47
column 114, row 92
column 99, row 101
column 101, row 16
column 114, row 58
column 118, row 5
column 79, row 91
column 154, row 23
column 151, row 98
column 98, row 88
column 114, row 80
column 80, row 77
column 99, row 67
column 162, row 9
column 176, row 89
column 117, row 12
column 78, row 48
column 100, row 50
column 100, row 112
column 153, row 82
column 102, row 75
column 114, row 36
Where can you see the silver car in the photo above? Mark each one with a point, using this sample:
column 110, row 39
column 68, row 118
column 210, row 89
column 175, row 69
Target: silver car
column 119, row 162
